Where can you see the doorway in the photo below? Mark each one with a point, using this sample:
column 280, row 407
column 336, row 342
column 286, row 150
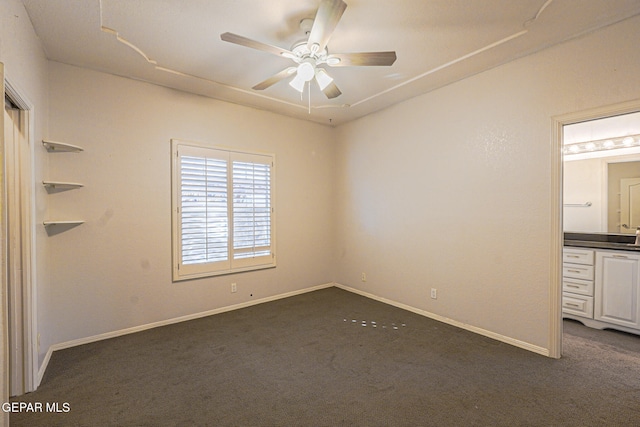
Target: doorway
column 17, row 245
column 601, row 184
column 588, row 204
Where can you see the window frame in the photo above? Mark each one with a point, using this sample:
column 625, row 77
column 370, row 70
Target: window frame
column 182, row 271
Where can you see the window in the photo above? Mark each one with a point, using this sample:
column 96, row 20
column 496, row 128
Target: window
column 223, row 216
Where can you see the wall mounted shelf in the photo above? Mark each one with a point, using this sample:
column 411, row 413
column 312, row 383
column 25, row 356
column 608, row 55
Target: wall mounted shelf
column 60, row 147
column 54, row 227
column 57, row 186
column 58, row 226
column 63, row 222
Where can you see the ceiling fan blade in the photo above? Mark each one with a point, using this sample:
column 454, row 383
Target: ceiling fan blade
column 275, row 78
column 243, row 41
column 327, row 17
column 362, row 59
column 331, row 91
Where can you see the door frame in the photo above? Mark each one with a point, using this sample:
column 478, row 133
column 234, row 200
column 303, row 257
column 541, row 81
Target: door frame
column 557, row 236
column 29, row 308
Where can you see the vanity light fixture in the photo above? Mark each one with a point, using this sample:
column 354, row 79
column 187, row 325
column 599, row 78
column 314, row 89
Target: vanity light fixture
column 602, row 145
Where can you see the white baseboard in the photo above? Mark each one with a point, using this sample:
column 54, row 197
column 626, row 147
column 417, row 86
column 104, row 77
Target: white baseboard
column 43, row 368
column 118, row 333
column 480, row 331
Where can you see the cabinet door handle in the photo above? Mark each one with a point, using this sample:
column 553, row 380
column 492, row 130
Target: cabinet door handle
column 572, row 286
column 570, row 304
column 573, row 256
column 620, row 256
column 574, row 271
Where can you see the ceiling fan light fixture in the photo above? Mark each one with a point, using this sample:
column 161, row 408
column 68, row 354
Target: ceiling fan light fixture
column 332, row 60
column 297, row 83
column 323, row 78
column 306, row 70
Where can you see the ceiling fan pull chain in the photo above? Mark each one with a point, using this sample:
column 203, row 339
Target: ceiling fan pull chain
column 309, row 85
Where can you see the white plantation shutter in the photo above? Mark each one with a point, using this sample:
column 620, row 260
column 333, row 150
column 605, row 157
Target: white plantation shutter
column 203, row 216
column 251, row 209
column 223, row 215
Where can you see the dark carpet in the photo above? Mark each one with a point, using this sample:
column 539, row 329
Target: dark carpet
column 333, row 358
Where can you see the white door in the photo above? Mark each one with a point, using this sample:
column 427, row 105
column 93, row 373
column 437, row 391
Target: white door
column 629, row 204
column 618, row 288
column 15, row 270
column 20, row 351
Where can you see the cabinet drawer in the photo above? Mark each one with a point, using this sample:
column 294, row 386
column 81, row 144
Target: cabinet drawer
column 578, row 256
column 577, row 286
column 577, row 271
column 577, row 305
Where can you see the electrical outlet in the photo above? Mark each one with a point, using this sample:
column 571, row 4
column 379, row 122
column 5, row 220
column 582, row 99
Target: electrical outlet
column 434, row 293
column 364, row 277
column 234, row 288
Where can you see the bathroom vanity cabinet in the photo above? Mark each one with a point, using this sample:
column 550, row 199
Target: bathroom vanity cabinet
column 601, row 288
column 617, row 290
column 578, row 282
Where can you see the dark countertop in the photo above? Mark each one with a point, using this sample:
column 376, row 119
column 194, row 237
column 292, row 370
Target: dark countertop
column 602, row 245
column 621, row 242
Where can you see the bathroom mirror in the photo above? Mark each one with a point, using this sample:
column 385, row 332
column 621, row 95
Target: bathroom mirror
column 602, row 195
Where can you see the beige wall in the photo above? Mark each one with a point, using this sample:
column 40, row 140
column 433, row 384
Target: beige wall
column 453, row 190
column 114, row 271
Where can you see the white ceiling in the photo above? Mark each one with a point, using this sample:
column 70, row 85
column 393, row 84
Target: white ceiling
column 176, row 43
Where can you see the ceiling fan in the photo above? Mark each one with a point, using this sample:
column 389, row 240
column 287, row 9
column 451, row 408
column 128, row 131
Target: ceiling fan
column 311, row 53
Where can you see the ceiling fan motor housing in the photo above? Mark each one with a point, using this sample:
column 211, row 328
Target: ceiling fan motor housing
column 301, row 51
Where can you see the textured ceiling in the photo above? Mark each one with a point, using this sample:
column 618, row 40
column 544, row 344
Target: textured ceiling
column 176, row 43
